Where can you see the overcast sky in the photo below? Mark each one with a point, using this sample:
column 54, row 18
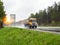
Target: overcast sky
column 23, row 8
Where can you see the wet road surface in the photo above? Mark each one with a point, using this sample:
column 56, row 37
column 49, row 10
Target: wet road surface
column 43, row 29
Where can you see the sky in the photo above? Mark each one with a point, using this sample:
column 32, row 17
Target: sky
column 23, row 8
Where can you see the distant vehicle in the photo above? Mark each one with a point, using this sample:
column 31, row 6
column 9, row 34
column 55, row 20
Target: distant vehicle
column 31, row 23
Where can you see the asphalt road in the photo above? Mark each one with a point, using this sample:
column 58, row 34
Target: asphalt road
column 50, row 29
column 43, row 29
column 57, row 29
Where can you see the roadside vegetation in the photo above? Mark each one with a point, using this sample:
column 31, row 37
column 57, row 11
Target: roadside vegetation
column 2, row 14
column 18, row 36
column 49, row 16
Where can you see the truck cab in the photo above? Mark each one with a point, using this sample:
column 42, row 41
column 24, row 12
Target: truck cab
column 32, row 23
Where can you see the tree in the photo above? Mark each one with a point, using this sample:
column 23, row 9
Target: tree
column 2, row 14
column 44, row 18
column 49, row 16
column 38, row 18
column 55, row 12
column 58, row 12
column 32, row 15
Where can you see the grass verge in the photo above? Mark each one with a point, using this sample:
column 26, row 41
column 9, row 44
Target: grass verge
column 18, row 36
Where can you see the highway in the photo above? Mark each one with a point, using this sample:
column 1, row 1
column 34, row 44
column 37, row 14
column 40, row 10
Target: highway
column 43, row 29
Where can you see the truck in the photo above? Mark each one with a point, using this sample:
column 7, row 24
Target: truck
column 31, row 23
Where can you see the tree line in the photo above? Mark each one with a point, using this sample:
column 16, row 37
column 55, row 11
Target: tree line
column 2, row 14
column 49, row 16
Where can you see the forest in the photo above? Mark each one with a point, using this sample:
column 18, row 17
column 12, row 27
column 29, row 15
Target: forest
column 49, row 16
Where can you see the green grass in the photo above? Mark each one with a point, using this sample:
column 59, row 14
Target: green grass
column 16, row 36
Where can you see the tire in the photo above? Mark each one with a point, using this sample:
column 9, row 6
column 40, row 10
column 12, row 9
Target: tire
column 35, row 26
column 32, row 27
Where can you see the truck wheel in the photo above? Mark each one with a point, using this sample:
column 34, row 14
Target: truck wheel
column 30, row 27
column 35, row 26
